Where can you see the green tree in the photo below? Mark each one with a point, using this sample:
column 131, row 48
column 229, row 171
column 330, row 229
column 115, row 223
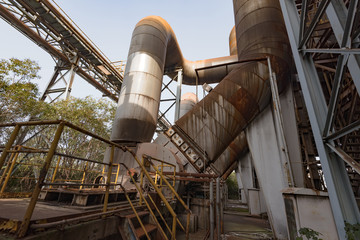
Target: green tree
column 18, row 95
column 233, row 189
column 19, row 100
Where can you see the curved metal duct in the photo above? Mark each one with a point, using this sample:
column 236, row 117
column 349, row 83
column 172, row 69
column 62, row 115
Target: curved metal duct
column 232, row 42
column 153, row 51
column 219, row 118
column 231, row 154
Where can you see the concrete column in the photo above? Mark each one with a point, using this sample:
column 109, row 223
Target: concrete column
column 270, row 165
column 238, row 179
column 245, row 169
column 292, row 136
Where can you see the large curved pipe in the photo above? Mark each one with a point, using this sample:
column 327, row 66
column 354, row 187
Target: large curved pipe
column 232, row 42
column 153, row 51
column 220, row 117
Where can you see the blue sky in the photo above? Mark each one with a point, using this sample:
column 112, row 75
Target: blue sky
column 202, row 28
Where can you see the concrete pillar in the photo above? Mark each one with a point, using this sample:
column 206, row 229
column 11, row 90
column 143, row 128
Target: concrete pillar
column 270, row 164
column 292, row 136
column 245, row 168
column 240, row 185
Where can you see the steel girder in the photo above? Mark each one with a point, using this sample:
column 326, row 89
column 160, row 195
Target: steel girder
column 321, row 114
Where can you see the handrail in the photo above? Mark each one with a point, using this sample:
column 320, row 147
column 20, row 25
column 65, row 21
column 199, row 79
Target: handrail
column 142, row 197
column 136, row 214
column 167, row 183
column 173, row 191
column 162, row 165
column 47, row 164
column 172, row 212
column 158, row 210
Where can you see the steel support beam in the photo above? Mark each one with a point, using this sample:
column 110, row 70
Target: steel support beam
column 342, row 199
column 212, row 222
column 337, row 14
column 218, row 215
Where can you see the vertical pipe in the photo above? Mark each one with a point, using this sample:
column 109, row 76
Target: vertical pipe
column 218, row 208
column 141, row 180
column 44, row 170
column 108, row 180
column 277, row 110
column 211, row 210
column 9, row 144
column 178, row 94
column 162, row 167
column 222, row 210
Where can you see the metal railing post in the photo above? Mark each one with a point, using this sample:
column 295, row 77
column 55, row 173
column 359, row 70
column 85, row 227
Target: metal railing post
column 187, row 226
column 145, row 201
column 218, row 208
column 141, row 180
column 211, row 189
column 12, row 161
column 108, row 180
column 136, row 213
column 55, row 171
column 3, row 176
column 221, row 209
column 43, row 172
column 173, row 235
column 9, row 144
column 84, row 175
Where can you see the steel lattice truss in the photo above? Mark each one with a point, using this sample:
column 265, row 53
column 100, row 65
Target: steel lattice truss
column 70, row 48
column 48, row 28
column 324, row 36
column 332, row 54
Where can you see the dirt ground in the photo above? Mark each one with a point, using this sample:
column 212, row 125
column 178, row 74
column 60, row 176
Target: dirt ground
column 238, row 227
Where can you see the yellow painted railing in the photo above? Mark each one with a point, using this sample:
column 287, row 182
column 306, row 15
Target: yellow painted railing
column 144, row 172
column 158, row 180
column 10, row 153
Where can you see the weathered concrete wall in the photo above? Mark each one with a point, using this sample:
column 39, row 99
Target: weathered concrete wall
column 306, row 208
column 271, row 167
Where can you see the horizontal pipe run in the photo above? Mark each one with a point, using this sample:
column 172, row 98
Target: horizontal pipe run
column 186, row 174
column 231, row 63
column 78, row 219
column 193, row 179
column 31, row 123
column 82, row 184
column 83, row 159
column 67, row 124
column 26, row 151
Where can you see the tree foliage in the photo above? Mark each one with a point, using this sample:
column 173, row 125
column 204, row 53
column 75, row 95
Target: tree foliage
column 19, row 96
column 233, row 189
